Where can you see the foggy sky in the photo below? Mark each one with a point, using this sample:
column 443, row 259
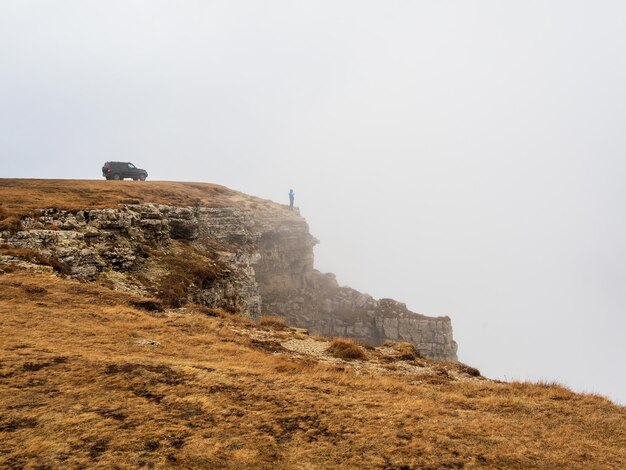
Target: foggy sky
column 465, row 157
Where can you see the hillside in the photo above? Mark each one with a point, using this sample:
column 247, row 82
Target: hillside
column 89, row 377
column 200, row 243
column 180, row 325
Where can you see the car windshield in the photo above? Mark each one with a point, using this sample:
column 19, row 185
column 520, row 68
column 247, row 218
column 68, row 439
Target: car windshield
column 130, row 165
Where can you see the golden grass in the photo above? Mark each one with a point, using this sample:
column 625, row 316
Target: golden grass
column 79, row 388
column 34, row 256
column 347, row 349
column 272, row 322
column 19, row 197
column 406, row 351
column 188, row 270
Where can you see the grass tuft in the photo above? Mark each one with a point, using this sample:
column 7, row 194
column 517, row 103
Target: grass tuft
column 347, row 349
column 272, row 322
column 469, row 370
column 406, row 351
column 34, row 256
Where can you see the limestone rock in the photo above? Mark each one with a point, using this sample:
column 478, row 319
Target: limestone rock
column 266, row 259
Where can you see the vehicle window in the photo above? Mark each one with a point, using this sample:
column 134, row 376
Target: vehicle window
column 130, row 165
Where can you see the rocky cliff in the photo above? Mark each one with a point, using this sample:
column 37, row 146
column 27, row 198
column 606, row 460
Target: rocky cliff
column 254, row 257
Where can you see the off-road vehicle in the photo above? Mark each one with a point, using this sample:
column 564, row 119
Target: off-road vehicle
column 121, row 170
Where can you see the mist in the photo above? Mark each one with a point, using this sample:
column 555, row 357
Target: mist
column 464, row 157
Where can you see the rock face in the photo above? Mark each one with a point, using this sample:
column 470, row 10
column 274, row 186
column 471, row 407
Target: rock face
column 257, row 261
column 291, row 288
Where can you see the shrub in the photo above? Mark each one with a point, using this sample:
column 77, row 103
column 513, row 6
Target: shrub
column 10, row 223
column 406, row 351
column 272, row 322
column 148, row 305
column 345, row 349
column 174, row 291
column 366, row 346
column 469, row 370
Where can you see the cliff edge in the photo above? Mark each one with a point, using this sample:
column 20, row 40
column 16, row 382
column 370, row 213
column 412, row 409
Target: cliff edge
column 198, row 243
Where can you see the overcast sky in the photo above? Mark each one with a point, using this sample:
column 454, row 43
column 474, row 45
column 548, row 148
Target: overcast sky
column 465, row 157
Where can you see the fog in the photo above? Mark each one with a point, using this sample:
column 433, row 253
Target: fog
column 465, row 157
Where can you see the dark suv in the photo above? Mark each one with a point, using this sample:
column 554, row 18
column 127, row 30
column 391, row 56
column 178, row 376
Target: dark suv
column 121, row 170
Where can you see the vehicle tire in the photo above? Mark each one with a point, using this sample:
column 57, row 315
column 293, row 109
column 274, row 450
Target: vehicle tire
column 142, row 178
column 117, row 177
column 135, row 179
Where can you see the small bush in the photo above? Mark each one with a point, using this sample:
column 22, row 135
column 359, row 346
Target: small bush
column 148, row 305
column 10, row 223
column 366, row 346
column 345, row 349
column 272, row 322
column 434, row 379
column 469, row 370
column 55, row 263
column 406, row 351
column 234, row 318
column 174, row 291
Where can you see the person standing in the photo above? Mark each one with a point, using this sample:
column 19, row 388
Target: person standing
column 292, row 196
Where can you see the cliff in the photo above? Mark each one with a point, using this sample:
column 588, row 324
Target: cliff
column 110, row 357
column 204, row 244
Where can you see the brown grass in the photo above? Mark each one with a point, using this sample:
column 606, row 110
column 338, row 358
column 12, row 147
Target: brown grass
column 406, row 351
column 11, row 223
column 79, row 389
column 347, row 349
column 272, row 322
column 22, row 196
column 469, row 370
column 33, row 256
column 188, row 272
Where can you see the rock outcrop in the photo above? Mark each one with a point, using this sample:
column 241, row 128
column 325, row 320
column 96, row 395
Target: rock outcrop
column 255, row 260
column 290, row 287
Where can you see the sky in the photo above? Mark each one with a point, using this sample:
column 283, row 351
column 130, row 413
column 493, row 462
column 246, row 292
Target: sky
column 465, row 157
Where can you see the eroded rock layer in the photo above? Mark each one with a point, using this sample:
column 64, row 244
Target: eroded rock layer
column 252, row 260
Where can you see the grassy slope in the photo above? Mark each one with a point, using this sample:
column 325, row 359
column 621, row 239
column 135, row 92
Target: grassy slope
column 19, row 196
column 76, row 390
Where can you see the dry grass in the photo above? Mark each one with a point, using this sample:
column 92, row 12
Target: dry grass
column 80, row 389
column 406, row 351
column 343, row 348
column 187, row 271
column 272, row 322
column 10, row 222
column 21, row 196
column 34, row 256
